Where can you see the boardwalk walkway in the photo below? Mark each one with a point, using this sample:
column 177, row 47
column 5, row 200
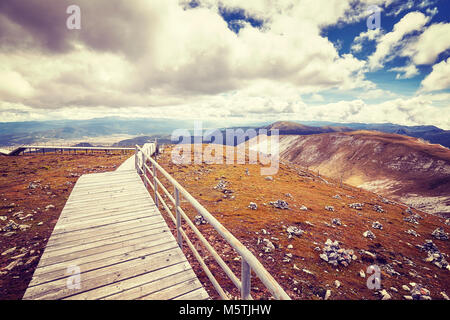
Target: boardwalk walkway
column 112, row 233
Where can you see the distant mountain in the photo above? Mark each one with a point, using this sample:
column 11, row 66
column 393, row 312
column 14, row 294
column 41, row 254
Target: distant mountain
column 16, row 133
column 431, row 134
column 162, row 139
column 398, row 166
column 289, row 127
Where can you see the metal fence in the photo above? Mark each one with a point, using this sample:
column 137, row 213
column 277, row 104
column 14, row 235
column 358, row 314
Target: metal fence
column 248, row 261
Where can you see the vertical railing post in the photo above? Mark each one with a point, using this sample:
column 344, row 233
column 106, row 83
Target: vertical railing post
column 177, row 211
column 155, row 184
column 135, row 158
column 245, row 279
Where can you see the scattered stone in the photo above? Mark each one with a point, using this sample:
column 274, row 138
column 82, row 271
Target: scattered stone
column 294, row 231
column 24, row 227
column 269, row 178
column 412, row 232
column 335, row 255
column 290, row 246
column 327, row 294
column 329, row 208
column 444, row 295
column 362, row 274
column 31, row 260
column 440, row 234
column 198, row 220
column 385, row 295
column 378, row 208
column 50, row 206
column 307, row 271
column 408, row 297
column 288, row 195
column 369, row 234
column 377, row 225
column 10, row 250
column 303, row 208
column 10, row 226
column 434, row 255
column 336, row 221
column 394, row 289
column 3, row 218
column 418, row 292
column 13, row 264
column 368, row 253
column 253, row 206
column 247, row 172
column 390, row 270
column 357, row 206
column 280, row 204
column 221, row 185
column 447, row 222
column 268, row 246
column 337, row 197
column 386, row 201
column 32, row 185
column 337, row 283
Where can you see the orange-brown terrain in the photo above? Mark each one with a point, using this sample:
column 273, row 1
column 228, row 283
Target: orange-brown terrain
column 295, row 261
column 33, row 191
column 31, row 185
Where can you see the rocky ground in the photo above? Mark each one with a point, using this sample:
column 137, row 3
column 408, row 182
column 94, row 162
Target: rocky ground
column 33, row 191
column 316, row 236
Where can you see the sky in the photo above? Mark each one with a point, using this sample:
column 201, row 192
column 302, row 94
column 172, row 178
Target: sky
column 233, row 61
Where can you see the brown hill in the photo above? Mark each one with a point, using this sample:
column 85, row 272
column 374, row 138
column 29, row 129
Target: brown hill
column 295, row 261
column 289, row 127
column 406, row 168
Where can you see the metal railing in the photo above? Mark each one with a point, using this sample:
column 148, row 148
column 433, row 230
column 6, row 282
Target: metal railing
column 248, row 261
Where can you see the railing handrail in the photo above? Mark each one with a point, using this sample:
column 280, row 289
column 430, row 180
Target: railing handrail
column 248, row 258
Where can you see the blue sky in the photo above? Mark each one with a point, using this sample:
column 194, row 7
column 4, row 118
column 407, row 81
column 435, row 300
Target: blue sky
column 227, row 60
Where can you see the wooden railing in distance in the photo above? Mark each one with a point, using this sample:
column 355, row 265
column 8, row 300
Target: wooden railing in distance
column 248, row 261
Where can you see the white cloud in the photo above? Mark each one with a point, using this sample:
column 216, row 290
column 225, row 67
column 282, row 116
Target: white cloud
column 405, row 72
column 425, row 48
column 439, row 78
column 413, row 21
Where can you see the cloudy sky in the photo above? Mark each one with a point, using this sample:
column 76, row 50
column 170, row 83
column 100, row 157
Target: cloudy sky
column 239, row 61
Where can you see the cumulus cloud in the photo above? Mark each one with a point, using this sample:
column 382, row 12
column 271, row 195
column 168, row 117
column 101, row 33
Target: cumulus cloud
column 160, row 53
column 425, row 48
column 165, row 58
column 439, row 78
column 413, row 21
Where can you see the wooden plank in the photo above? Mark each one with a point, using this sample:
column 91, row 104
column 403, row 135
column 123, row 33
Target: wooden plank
column 101, row 260
column 112, row 231
column 134, row 287
column 67, row 254
column 157, row 285
column 174, row 291
column 87, row 235
column 104, row 234
column 98, row 278
column 199, row 294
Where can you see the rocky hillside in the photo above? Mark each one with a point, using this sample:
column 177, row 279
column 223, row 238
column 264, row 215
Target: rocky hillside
column 316, row 237
column 405, row 168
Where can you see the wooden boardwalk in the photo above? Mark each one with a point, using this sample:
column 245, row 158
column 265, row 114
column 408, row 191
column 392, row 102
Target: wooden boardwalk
column 111, row 231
